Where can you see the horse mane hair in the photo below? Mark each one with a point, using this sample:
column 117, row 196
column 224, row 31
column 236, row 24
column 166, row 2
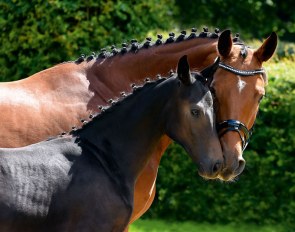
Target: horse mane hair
column 134, row 46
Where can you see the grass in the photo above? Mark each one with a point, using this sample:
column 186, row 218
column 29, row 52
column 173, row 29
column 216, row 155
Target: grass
column 167, row 226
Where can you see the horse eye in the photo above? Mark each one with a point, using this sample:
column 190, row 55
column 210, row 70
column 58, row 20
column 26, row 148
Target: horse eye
column 195, row 112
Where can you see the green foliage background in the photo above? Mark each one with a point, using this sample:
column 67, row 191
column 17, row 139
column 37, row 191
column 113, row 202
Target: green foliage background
column 39, row 34
column 254, row 18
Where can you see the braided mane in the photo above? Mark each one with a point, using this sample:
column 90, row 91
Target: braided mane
column 135, row 46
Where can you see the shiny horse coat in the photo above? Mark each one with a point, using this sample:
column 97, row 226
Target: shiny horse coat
column 56, row 99
column 84, row 181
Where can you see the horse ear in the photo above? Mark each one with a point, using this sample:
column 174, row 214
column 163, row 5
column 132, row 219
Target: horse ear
column 225, row 43
column 268, row 48
column 209, row 71
column 183, row 71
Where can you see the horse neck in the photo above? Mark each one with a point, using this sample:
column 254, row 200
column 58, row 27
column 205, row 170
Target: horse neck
column 128, row 133
column 110, row 76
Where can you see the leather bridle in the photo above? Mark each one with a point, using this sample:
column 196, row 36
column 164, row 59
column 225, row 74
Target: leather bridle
column 235, row 125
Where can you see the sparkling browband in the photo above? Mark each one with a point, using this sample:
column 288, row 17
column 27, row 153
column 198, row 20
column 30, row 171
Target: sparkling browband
column 242, row 72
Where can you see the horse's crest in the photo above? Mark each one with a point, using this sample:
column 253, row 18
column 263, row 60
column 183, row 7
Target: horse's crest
column 135, row 46
column 112, row 103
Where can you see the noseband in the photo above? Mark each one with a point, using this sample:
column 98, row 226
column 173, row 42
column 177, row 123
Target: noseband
column 235, row 125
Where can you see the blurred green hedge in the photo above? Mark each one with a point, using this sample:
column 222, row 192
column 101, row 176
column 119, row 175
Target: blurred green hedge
column 38, row 34
column 252, row 18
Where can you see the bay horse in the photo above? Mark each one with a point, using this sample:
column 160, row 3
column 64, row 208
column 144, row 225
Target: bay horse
column 84, row 181
column 34, row 108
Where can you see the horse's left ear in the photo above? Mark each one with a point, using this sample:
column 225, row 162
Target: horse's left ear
column 209, row 71
column 268, row 48
column 183, row 71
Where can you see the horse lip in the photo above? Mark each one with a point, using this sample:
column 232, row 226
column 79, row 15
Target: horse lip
column 210, row 177
column 226, row 175
column 205, row 175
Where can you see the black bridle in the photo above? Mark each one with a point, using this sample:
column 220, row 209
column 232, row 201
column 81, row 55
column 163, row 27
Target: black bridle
column 235, row 125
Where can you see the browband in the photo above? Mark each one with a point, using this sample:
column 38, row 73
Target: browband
column 241, row 72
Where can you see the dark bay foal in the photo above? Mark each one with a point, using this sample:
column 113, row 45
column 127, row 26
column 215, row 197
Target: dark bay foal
column 84, row 181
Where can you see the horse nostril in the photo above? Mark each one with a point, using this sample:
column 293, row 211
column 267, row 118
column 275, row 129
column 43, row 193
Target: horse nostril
column 216, row 167
column 241, row 166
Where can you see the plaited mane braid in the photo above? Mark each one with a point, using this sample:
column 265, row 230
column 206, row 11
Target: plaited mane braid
column 135, row 46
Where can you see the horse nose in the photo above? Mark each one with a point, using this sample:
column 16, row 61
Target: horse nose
column 209, row 170
column 228, row 173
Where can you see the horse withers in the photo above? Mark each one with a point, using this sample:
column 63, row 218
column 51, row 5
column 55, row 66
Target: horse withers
column 84, row 180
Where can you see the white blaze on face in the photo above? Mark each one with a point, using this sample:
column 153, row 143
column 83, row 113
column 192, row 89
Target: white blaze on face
column 241, row 84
